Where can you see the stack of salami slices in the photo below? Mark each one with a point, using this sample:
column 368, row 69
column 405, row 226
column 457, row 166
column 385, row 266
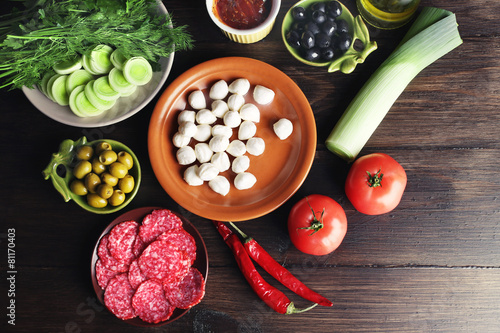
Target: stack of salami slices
column 146, row 269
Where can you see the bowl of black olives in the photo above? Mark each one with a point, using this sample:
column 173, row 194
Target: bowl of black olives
column 324, row 33
column 101, row 176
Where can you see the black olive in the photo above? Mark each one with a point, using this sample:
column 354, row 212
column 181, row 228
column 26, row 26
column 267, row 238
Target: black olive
column 299, row 13
column 327, row 54
column 318, row 17
column 312, row 54
column 321, row 6
column 299, row 26
column 293, row 38
column 333, row 9
column 343, row 42
column 307, row 40
column 322, row 40
column 342, row 26
column 329, row 27
column 312, row 27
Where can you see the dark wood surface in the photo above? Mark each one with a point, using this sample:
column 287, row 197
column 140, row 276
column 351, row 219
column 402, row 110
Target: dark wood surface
column 431, row 265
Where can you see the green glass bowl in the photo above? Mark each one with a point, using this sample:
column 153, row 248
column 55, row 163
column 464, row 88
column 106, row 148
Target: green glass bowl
column 60, row 167
column 347, row 62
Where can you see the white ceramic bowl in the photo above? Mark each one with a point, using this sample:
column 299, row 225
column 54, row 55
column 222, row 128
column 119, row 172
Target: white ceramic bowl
column 246, row 36
column 124, row 108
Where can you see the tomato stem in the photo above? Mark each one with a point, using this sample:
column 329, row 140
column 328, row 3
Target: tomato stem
column 376, row 179
column 316, row 224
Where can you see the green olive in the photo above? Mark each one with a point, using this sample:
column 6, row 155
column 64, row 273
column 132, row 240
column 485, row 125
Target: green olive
column 97, row 166
column 78, row 187
column 96, row 201
column 126, row 159
column 109, row 179
column 102, row 146
column 107, row 157
column 104, row 191
column 92, row 181
column 118, row 170
column 82, row 168
column 117, row 198
column 84, row 153
column 126, row 184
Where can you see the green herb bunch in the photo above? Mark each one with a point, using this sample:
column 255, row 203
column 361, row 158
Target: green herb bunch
column 50, row 31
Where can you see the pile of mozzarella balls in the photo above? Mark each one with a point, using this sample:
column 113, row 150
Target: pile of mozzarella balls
column 214, row 151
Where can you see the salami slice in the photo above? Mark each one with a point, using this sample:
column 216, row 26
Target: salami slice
column 107, row 260
column 164, row 261
column 118, row 297
column 121, row 241
column 188, row 292
column 182, row 240
column 150, row 303
column 103, row 274
column 135, row 275
column 156, row 223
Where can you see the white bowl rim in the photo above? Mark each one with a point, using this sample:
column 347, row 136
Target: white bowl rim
column 276, row 4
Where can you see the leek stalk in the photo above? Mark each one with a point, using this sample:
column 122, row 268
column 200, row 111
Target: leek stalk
column 433, row 34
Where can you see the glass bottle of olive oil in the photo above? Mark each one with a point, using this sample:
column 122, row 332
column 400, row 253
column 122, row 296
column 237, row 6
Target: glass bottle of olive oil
column 387, row 14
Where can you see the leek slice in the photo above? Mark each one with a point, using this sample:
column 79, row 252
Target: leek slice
column 78, row 78
column 69, row 66
column 95, row 100
column 58, row 90
column 86, row 65
column 72, row 101
column 99, row 61
column 138, row 71
column 119, row 83
column 48, row 87
column 433, row 34
column 84, row 106
column 103, row 89
column 117, row 59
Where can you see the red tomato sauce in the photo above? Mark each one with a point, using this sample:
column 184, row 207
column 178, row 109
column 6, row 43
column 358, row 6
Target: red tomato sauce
column 242, row 14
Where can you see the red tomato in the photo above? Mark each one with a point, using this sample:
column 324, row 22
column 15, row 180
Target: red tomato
column 375, row 184
column 317, row 225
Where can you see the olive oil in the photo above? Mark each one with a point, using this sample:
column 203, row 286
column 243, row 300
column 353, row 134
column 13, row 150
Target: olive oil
column 387, row 14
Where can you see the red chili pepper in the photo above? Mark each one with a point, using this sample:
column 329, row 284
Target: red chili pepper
column 272, row 296
column 279, row 272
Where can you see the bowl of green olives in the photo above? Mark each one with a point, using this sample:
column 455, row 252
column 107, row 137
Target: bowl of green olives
column 101, row 176
column 325, row 34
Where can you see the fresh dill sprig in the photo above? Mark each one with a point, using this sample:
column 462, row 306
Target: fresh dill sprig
column 50, row 31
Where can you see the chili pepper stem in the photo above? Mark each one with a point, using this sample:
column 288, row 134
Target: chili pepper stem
column 291, row 309
column 245, row 236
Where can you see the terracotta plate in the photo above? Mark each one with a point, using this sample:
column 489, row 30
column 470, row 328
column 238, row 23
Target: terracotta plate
column 280, row 170
column 201, row 262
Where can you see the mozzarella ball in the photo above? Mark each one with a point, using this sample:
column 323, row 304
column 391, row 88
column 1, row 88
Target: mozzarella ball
column 219, row 90
column 255, row 146
column 188, row 128
column 219, row 108
column 203, row 132
column 240, row 164
column 239, row 86
column 220, row 185
column 247, row 130
column 186, row 115
column 205, row 116
column 235, row 102
column 283, row 128
column 250, row 112
column 218, row 143
column 207, row 171
column 221, row 161
column 203, row 152
column 191, row 176
column 232, row 119
column 180, row 140
column 222, row 130
column 197, row 100
column 185, row 155
column 244, row 180
column 236, row 148
column 263, row 95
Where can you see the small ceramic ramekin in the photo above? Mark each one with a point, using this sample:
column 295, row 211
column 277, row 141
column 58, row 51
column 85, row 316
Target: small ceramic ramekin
column 245, row 36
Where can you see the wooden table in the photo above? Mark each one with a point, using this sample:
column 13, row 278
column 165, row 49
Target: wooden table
column 431, row 265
